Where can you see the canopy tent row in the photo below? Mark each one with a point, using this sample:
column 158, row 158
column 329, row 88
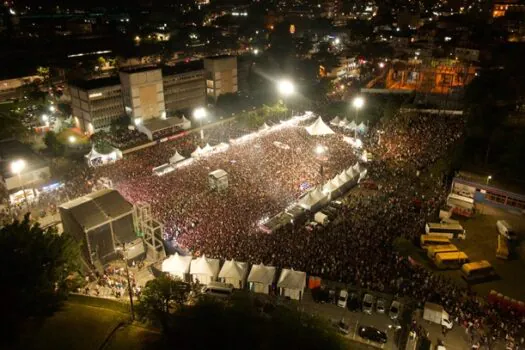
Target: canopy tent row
column 261, row 278
column 319, row 128
column 176, row 158
column 335, row 121
column 313, row 199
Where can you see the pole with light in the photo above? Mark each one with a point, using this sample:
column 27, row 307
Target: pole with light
column 358, row 103
column 17, row 167
column 320, row 150
column 489, row 178
column 199, row 114
column 286, row 88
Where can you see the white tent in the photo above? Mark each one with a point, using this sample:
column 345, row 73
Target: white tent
column 261, row 278
column 336, row 181
column 197, row 153
column 329, row 187
column 234, row 272
column 292, row 283
column 177, row 265
column 186, row 123
column 319, row 128
column 264, row 127
column 312, row 199
column 351, row 173
column 352, row 125
column 362, row 127
column 207, row 148
column 344, row 177
column 204, row 269
column 343, row 122
column 176, row 158
column 335, row 121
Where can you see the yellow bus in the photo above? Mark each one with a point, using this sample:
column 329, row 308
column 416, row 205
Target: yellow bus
column 436, row 249
column 502, row 252
column 477, row 271
column 451, row 260
column 428, row 240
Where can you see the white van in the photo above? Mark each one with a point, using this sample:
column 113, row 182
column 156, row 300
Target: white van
column 218, row 289
column 505, row 229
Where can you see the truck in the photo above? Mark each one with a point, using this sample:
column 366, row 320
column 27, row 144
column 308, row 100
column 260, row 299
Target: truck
column 436, row 313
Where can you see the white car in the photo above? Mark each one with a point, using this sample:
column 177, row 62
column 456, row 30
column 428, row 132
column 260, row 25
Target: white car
column 368, row 303
column 393, row 313
column 381, row 306
column 342, row 299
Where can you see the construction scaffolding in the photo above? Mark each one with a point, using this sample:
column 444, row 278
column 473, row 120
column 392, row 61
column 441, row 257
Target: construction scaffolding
column 150, row 230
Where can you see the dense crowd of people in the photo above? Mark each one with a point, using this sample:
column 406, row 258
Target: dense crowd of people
column 269, row 171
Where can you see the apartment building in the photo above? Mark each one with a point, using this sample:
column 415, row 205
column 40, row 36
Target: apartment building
column 96, row 103
column 221, row 75
column 184, row 86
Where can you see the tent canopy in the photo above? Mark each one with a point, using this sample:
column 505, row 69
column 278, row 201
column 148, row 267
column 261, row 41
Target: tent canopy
column 311, row 199
column 335, row 121
column 264, row 127
column 352, row 125
column 319, row 128
column 204, row 266
column 207, row 148
column 343, row 122
column 329, row 187
column 177, row 264
column 262, row 274
column 197, row 152
column 233, row 269
column 176, row 158
column 291, row 279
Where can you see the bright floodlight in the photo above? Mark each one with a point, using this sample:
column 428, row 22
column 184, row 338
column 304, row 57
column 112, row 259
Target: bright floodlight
column 72, row 139
column 199, row 113
column 255, row 51
column 286, row 87
column 52, row 109
column 381, row 65
column 358, row 102
column 45, row 118
column 337, row 41
column 320, row 149
column 17, row 166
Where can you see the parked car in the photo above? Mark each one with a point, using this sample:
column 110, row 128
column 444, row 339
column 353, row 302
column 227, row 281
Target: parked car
column 368, row 303
column 381, row 306
column 395, row 308
column 372, row 334
column 343, row 297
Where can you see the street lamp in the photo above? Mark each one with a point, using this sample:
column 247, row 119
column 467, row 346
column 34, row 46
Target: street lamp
column 52, row 109
column 358, row 103
column 72, row 139
column 320, row 150
column 17, row 167
column 45, row 118
column 489, row 178
column 199, row 114
column 286, row 88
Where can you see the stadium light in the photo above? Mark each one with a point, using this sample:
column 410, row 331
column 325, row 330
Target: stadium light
column 489, row 178
column 320, row 149
column 199, row 114
column 72, row 139
column 358, row 103
column 18, row 166
column 286, row 87
column 45, row 117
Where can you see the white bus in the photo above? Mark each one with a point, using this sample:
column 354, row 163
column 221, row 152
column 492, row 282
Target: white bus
column 451, row 260
column 447, row 230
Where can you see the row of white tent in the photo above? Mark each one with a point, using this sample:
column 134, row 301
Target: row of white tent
column 351, row 125
column 333, row 187
column 260, row 278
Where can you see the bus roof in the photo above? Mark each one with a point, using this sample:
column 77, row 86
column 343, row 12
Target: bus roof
column 451, row 256
column 477, row 265
column 444, row 226
column 443, row 248
column 461, row 198
column 435, row 238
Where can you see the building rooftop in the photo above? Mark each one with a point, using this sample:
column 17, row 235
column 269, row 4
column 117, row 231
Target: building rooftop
column 183, row 67
column 219, row 57
column 95, row 83
column 138, row 69
column 11, row 150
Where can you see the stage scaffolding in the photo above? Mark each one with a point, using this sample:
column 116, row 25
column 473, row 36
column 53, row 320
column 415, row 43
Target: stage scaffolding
column 150, row 230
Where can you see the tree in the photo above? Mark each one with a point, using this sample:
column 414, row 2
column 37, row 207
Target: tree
column 52, row 143
column 11, row 126
column 35, row 267
column 162, row 296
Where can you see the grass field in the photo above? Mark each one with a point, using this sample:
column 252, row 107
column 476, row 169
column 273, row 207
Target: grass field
column 80, row 326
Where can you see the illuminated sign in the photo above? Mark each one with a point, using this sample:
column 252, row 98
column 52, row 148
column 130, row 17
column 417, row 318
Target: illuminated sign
column 96, row 94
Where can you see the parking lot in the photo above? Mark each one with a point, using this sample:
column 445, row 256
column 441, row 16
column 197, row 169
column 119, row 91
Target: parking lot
column 481, row 244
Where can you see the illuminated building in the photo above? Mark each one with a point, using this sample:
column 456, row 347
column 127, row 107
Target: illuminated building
column 500, row 8
column 221, row 75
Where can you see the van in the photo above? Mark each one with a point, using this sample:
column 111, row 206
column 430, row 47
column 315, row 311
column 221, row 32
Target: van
column 451, row 260
column 218, row 289
column 477, row 271
column 505, row 229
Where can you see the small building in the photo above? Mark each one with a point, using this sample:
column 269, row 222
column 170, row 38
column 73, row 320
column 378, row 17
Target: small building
column 218, row 180
column 204, row 270
column 292, row 283
column 234, row 272
column 178, row 266
column 261, row 278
